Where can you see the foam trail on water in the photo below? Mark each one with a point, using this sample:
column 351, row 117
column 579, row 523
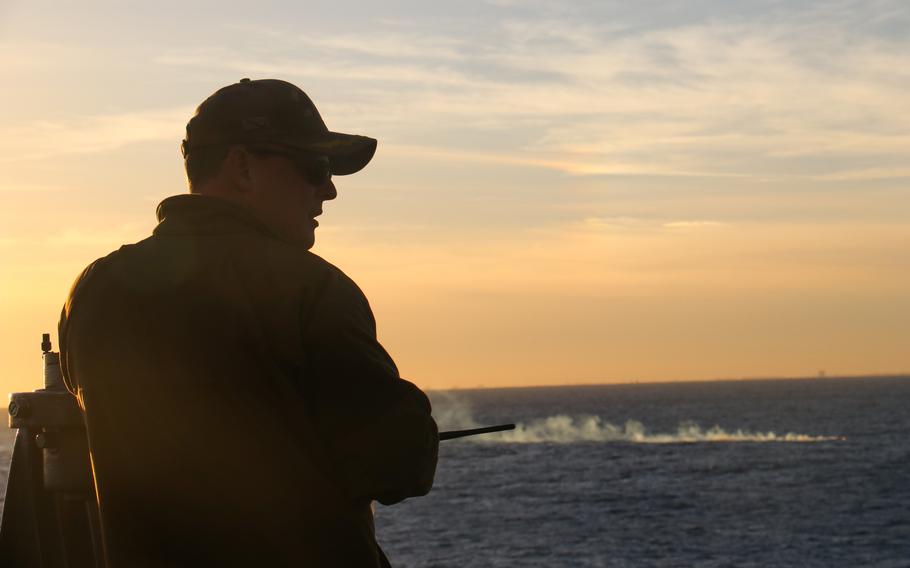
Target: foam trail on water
column 454, row 413
column 568, row 429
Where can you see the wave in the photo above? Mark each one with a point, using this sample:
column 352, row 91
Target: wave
column 453, row 413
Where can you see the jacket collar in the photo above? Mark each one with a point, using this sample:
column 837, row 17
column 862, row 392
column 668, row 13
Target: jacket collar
column 206, row 215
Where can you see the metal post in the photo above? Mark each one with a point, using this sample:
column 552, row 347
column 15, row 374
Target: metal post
column 50, row 516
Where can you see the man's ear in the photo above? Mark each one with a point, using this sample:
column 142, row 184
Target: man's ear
column 238, row 167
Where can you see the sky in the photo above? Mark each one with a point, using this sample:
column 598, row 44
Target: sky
column 563, row 193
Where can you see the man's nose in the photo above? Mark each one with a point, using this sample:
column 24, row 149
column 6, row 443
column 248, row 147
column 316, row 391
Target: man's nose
column 328, row 191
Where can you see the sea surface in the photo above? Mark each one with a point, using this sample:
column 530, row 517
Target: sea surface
column 799, row 473
column 778, row 473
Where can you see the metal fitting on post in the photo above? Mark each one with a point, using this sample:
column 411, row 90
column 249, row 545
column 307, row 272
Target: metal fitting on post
column 18, row 408
column 46, row 440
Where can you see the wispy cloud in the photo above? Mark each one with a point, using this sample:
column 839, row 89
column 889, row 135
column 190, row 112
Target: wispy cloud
column 634, row 257
column 30, row 188
column 344, row 66
column 694, row 225
column 100, row 238
column 798, row 92
column 99, row 133
column 803, row 95
column 867, row 174
column 644, row 224
column 389, row 45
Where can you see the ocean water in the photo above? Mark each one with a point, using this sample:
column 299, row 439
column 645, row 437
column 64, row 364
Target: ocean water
column 723, row 474
column 742, row 473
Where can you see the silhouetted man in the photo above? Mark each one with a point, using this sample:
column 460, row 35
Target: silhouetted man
column 239, row 408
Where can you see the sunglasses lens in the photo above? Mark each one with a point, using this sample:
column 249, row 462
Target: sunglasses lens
column 317, row 171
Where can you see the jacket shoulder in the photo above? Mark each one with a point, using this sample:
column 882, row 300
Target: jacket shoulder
column 93, row 270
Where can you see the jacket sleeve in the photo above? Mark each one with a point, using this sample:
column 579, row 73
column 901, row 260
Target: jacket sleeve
column 375, row 426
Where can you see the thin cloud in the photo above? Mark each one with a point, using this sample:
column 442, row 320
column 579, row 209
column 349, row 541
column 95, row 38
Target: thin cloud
column 389, row 45
column 774, row 97
column 101, row 133
column 313, row 69
column 30, row 188
column 694, row 225
column 33, row 55
column 866, row 174
column 598, row 224
column 111, row 237
column 382, row 43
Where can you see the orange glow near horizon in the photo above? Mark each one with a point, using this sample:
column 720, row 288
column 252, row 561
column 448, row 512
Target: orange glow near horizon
column 552, row 201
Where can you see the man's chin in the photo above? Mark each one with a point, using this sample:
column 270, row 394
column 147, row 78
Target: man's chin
column 303, row 238
column 308, row 240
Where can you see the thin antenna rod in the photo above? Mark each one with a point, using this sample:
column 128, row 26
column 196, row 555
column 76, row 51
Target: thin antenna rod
column 474, row 431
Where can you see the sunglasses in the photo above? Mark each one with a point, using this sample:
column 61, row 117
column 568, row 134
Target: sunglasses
column 317, row 170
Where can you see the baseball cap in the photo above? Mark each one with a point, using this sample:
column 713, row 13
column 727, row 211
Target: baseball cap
column 277, row 112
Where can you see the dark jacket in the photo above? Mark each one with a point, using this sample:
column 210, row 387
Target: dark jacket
column 239, row 408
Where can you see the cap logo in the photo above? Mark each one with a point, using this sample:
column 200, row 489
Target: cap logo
column 254, row 122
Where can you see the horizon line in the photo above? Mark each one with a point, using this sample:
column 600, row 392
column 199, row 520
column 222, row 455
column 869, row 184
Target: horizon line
column 900, row 375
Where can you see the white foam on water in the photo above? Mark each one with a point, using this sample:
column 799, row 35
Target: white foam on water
column 569, row 429
column 453, row 413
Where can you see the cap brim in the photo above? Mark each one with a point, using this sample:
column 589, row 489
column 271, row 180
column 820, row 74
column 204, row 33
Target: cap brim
column 347, row 153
